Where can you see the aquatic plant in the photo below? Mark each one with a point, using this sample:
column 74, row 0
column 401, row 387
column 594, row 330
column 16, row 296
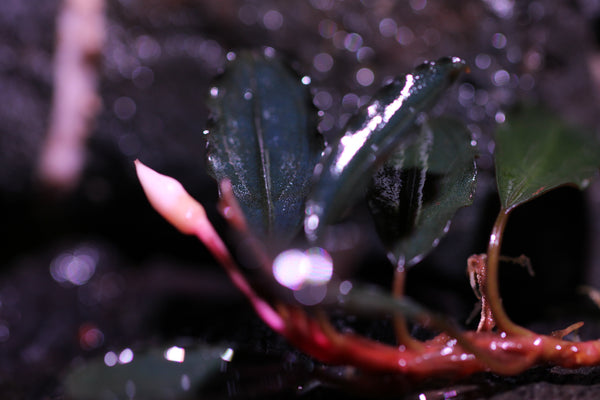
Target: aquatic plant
column 276, row 175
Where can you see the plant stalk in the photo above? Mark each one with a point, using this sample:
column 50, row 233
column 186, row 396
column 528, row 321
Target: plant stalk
column 403, row 335
column 491, row 288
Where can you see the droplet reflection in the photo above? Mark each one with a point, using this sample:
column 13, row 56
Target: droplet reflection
column 126, row 356
column 483, row 61
column 296, row 269
column 75, row 267
column 227, row 355
column 111, row 359
column 175, row 354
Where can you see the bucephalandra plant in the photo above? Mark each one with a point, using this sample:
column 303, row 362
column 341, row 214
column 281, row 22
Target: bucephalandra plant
column 276, row 177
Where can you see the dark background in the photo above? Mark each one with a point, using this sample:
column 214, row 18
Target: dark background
column 151, row 285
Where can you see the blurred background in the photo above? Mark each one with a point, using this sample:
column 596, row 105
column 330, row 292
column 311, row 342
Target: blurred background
column 89, row 269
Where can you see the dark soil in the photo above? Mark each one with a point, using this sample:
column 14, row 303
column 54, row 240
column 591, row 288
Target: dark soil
column 150, row 285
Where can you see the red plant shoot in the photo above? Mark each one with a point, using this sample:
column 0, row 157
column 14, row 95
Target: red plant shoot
column 498, row 345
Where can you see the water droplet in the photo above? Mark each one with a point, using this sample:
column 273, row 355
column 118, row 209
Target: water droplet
column 311, row 295
column 327, row 28
column 405, row 36
column 185, row 383
column 248, row 95
column 126, row 356
column 273, row 20
column 269, row 52
column 418, row 5
column 231, row 56
column 323, row 62
column 388, row 27
column 502, row 8
column 501, row 77
column 175, row 354
column 364, row 54
column 365, row 77
column 306, row 80
column 147, row 48
column 533, row 60
column 90, row 337
column 227, row 355
column 214, row 91
column 466, row 92
column 350, row 101
column 124, row 108
column 353, row 42
column 500, row 117
column 75, row 267
column 327, row 122
column 111, row 359
column 296, row 269
column 345, row 287
column 526, row 82
column 323, row 100
column 205, row 132
column 322, row 4
column 447, row 226
column 499, row 40
column 339, row 38
column 483, row 61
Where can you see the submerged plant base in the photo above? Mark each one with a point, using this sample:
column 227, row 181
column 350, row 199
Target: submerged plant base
column 451, row 354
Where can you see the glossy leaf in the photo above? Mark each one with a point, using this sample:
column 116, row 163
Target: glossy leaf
column 263, row 138
column 536, row 152
column 370, row 137
column 418, row 190
column 170, row 373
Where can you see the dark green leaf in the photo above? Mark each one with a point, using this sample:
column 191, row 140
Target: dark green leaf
column 263, row 139
column 419, row 189
column 536, row 152
column 370, row 137
column 147, row 376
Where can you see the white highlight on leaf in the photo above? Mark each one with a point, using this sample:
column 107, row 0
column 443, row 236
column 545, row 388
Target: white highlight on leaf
column 175, row 354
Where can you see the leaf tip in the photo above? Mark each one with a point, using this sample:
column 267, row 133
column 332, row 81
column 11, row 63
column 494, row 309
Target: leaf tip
column 168, row 197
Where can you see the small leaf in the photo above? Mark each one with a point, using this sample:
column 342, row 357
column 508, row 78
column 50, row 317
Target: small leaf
column 173, row 373
column 369, row 139
column 536, row 152
column 418, row 190
column 263, row 139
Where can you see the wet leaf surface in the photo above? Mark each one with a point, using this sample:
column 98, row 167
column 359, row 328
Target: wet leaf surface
column 369, row 139
column 418, row 190
column 537, row 152
column 263, row 139
column 172, row 373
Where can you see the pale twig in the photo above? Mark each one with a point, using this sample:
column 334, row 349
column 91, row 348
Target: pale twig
column 80, row 36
